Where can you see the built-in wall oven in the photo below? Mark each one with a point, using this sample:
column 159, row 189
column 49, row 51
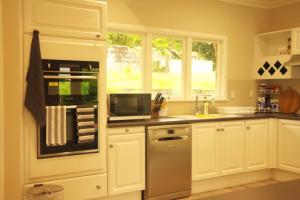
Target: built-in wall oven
column 70, row 86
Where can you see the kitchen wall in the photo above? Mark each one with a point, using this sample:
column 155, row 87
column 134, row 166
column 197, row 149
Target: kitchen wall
column 285, row 17
column 13, row 99
column 239, row 23
column 1, row 107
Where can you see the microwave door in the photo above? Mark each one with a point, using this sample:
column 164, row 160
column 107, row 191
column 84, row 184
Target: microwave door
column 127, row 107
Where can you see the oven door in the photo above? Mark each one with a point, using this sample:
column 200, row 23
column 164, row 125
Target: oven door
column 67, row 89
column 129, row 106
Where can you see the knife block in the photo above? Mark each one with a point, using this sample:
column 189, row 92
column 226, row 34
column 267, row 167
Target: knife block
column 155, row 111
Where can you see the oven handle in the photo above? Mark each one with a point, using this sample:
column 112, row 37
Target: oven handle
column 70, row 77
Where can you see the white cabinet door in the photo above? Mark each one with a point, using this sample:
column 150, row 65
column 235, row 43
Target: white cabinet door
column 205, row 150
column 232, row 147
column 66, row 18
column 257, row 144
column 295, row 41
column 126, row 163
column 289, row 145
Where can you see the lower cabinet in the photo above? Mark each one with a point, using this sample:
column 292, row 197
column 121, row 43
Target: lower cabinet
column 223, row 148
column 205, row 150
column 289, row 145
column 126, row 162
column 257, row 144
column 232, row 144
column 81, row 188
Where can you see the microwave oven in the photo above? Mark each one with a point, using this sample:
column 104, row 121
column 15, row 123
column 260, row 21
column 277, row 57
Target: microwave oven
column 129, row 106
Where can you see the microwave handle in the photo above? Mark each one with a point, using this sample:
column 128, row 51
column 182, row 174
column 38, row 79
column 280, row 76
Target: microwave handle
column 70, row 77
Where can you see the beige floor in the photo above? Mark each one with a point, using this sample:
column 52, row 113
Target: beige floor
column 230, row 189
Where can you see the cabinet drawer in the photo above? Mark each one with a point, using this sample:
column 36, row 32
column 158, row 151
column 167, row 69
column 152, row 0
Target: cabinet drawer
column 80, row 188
column 126, row 130
column 69, row 18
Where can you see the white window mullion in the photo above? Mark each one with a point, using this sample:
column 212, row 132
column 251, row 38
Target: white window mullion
column 188, row 69
column 148, row 63
column 221, row 90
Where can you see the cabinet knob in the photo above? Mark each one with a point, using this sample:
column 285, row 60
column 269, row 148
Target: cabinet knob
column 218, row 129
column 126, row 130
column 98, row 35
column 248, row 127
column 98, row 187
column 111, row 146
column 222, row 129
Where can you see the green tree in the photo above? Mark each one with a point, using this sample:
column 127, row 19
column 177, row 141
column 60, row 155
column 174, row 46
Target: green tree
column 130, row 41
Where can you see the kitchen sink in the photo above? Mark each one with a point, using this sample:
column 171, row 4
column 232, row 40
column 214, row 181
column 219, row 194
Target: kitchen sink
column 208, row 116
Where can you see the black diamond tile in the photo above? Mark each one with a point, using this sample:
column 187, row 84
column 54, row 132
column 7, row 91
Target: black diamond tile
column 277, row 65
column 266, row 65
column 261, row 71
column 272, row 71
column 283, row 70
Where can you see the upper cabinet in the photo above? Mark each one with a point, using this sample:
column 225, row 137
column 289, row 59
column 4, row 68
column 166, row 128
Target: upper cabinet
column 295, row 42
column 273, row 51
column 66, row 18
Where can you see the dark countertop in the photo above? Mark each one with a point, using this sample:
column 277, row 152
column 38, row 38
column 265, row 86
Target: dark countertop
column 177, row 120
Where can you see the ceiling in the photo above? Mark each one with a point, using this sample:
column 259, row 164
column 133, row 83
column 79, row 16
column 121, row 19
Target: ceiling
column 267, row 4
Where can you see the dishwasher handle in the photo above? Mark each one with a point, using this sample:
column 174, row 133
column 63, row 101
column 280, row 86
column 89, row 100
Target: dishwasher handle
column 165, row 139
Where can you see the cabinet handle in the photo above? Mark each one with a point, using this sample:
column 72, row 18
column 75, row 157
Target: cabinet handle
column 98, row 187
column 111, row 146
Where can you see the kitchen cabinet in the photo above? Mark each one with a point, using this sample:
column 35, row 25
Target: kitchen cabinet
column 66, row 166
column 217, row 149
column 295, row 42
column 126, row 160
column 289, row 145
column 205, row 150
column 79, row 188
column 257, row 144
column 66, row 18
column 232, row 144
column 272, row 51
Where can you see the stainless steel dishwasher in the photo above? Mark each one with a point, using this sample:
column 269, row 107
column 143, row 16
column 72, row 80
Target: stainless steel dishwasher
column 168, row 167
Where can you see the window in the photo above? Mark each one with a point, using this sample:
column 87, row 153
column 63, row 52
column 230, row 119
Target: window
column 167, row 66
column 181, row 65
column 124, row 63
column 203, row 68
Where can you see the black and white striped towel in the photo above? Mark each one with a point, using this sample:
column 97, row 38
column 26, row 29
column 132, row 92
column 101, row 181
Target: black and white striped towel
column 86, row 124
column 56, row 131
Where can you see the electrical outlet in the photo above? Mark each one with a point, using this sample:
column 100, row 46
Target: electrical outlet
column 232, row 94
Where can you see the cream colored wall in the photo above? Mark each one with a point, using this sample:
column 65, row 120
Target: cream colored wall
column 239, row 23
column 13, row 99
column 1, row 109
column 285, row 17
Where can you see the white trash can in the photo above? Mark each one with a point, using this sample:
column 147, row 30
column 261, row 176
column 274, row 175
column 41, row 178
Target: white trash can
column 45, row 192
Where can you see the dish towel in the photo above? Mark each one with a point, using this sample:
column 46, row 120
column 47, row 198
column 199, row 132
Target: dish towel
column 35, row 97
column 56, row 130
column 86, row 124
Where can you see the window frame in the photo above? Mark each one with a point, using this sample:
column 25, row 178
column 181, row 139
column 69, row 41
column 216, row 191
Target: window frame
column 143, row 66
column 149, row 33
